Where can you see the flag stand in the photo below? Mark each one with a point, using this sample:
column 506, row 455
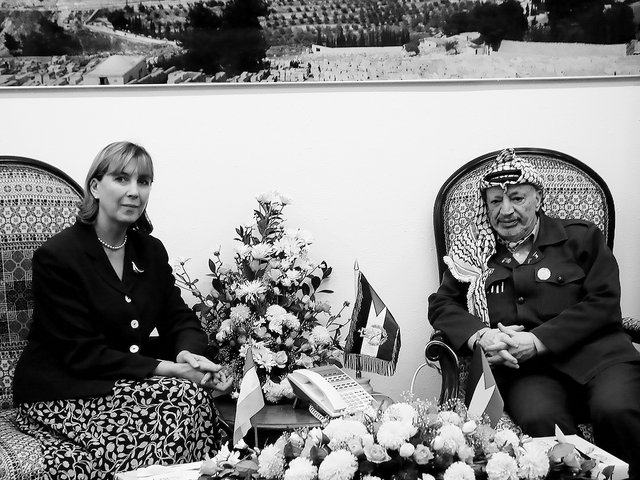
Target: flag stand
column 365, row 383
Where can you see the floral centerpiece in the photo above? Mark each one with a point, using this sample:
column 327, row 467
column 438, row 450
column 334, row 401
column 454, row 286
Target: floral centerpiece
column 412, row 440
column 268, row 298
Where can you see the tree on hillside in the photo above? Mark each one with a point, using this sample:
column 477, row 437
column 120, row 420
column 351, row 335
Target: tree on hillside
column 51, row 39
column 233, row 42
column 589, row 21
column 505, row 21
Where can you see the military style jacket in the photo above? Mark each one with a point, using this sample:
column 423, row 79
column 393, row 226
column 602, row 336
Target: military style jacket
column 567, row 292
column 89, row 327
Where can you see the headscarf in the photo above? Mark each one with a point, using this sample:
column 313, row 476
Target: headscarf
column 470, row 252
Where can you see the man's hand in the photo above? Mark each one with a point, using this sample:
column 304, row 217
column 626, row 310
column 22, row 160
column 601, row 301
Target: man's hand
column 525, row 349
column 499, row 344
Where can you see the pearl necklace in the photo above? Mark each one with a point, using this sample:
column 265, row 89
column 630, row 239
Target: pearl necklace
column 113, row 247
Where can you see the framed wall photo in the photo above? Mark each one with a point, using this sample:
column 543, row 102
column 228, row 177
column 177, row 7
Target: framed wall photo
column 124, row 42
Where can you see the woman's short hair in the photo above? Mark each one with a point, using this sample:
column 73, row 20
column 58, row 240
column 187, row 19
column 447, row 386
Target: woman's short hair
column 114, row 158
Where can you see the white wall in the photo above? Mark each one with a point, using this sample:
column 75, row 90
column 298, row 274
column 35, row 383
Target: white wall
column 362, row 162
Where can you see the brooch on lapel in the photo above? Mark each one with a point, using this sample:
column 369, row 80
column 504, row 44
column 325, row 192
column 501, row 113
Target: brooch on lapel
column 135, row 268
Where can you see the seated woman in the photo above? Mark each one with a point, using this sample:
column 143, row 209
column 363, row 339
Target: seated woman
column 89, row 375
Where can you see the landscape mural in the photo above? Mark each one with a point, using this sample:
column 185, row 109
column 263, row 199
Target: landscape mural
column 118, row 42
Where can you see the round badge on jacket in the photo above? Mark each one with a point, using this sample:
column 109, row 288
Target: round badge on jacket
column 544, row 273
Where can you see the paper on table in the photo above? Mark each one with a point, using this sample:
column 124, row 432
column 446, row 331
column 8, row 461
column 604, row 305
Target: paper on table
column 605, row 459
column 186, row 471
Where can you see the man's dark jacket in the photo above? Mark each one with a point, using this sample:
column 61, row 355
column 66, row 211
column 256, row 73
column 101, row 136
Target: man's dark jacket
column 567, row 292
column 89, row 327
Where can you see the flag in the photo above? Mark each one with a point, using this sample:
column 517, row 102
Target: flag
column 373, row 342
column 482, row 395
column 250, row 400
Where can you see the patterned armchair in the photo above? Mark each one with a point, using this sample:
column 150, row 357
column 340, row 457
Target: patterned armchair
column 36, row 201
column 572, row 190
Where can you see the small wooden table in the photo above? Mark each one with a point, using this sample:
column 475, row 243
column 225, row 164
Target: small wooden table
column 271, row 419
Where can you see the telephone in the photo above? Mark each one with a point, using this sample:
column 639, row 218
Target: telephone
column 330, row 390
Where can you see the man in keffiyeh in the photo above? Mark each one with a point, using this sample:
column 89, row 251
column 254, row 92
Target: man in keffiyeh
column 541, row 297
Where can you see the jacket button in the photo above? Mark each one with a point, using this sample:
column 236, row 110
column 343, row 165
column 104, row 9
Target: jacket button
column 521, row 300
column 127, row 299
column 135, row 324
column 560, row 279
column 134, row 348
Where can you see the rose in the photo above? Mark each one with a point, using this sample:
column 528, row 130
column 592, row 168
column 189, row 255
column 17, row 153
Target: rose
column 422, row 454
column 376, row 453
column 355, row 446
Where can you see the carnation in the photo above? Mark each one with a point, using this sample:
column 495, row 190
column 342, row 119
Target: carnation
column 459, row 471
column 251, row 290
column 338, row 465
column 505, row 438
column 394, row 434
column 450, row 417
column 400, row 411
column 534, row 462
column 502, row 466
column 301, row 468
column 271, row 462
column 261, row 251
column 453, row 437
column 340, row 431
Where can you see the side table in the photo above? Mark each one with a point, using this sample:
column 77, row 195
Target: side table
column 271, row 419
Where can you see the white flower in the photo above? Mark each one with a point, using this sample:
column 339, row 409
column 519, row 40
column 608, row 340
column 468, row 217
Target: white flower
column 271, row 462
column 469, row 427
column 251, row 289
column 341, row 430
column 263, row 356
column 240, row 313
column 534, row 462
column 275, row 325
column 272, row 391
column 281, row 358
column 305, row 361
column 459, row 471
column 301, row 468
column 315, row 434
column 320, row 335
column 393, row 434
column 338, row 465
column 450, row 417
column 241, row 249
column 506, row 438
column 502, row 466
column 291, row 321
column 402, row 412
column 261, row 251
column 371, row 477
column 453, row 437
column 275, row 311
column 406, row 450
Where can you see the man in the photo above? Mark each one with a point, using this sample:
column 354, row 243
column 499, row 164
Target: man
column 541, row 297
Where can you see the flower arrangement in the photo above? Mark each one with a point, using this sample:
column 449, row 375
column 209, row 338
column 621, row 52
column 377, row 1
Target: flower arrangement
column 410, row 440
column 416, row 439
column 268, row 298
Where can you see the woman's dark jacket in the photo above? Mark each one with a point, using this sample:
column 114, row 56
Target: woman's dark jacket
column 89, row 328
column 567, row 292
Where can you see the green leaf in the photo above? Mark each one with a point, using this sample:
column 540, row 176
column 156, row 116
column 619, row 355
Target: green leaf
column 212, row 266
column 246, row 467
column 325, row 291
column 315, row 281
column 608, row 472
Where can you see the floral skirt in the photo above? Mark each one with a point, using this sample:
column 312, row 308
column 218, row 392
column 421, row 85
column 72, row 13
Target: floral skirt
column 159, row 421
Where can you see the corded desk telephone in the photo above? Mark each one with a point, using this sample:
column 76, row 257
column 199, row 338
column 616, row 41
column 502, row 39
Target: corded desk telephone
column 330, row 390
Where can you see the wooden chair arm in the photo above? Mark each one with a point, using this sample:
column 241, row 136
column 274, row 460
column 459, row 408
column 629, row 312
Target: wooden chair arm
column 438, row 350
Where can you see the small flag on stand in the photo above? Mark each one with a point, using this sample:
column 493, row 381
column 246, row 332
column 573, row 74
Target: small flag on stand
column 482, row 395
column 373, row 343
column 250, row 400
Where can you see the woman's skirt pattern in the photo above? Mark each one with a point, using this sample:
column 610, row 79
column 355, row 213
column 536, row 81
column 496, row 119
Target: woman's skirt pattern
column 159, row 421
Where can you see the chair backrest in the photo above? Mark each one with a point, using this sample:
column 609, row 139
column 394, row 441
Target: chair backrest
column 36, row 202
column 572, row 190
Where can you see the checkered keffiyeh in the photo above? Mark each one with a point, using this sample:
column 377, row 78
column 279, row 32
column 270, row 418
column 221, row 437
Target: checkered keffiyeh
column 470, row 252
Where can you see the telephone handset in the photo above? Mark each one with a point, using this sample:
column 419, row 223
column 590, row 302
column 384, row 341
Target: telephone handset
column 330, row 389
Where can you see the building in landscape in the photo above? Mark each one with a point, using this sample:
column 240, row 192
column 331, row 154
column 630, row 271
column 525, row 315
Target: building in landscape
column 117, row 70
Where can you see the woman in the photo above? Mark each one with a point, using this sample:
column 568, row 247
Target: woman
column 91, row 385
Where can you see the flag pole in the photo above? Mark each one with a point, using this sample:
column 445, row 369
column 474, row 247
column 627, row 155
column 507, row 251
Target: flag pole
column 356, row 272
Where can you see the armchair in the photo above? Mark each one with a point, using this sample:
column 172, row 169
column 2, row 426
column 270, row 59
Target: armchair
column 572, row 190
column 36, row 201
